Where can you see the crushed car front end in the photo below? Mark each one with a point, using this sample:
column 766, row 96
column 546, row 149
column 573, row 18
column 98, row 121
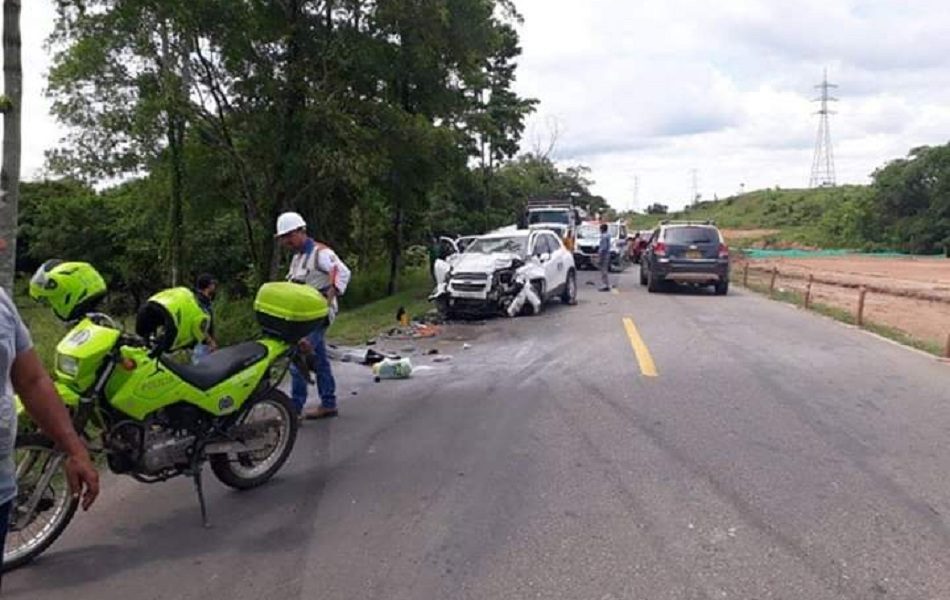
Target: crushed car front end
column 479, row 292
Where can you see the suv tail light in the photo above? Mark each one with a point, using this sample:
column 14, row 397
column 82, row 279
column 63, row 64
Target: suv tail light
column 659, row 249
column 723, row 251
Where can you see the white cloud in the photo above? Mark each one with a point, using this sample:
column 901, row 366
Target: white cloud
column 657, row 89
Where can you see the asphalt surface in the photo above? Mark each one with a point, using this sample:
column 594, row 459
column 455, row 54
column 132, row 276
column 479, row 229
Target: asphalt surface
column 776, row 454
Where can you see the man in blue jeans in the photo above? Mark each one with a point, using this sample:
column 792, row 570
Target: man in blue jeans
column 318, row 266
column 603, row 257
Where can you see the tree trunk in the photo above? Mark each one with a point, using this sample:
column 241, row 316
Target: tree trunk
column 289, row 181
column 10, row 170
column 176, row 141
column 176, row 128
column 395, row 252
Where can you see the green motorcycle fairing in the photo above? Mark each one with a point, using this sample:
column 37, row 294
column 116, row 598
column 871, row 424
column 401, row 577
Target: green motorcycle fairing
column 80, row 353
column 149, row 385
column 70, row 399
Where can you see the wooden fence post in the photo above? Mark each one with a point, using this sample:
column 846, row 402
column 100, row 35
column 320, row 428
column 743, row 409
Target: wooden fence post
column 772, row 283
column 745, row 275
column 861, row 295
column 811, row 279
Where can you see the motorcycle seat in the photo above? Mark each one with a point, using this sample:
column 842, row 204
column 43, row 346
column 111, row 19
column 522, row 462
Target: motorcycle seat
column 218, row 366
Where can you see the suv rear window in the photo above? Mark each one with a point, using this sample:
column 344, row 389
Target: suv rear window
column 691, row 235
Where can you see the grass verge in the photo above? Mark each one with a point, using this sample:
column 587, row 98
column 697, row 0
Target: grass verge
column 358, row 325
column 845, row 316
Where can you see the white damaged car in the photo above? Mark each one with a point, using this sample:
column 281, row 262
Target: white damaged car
column 508, row 272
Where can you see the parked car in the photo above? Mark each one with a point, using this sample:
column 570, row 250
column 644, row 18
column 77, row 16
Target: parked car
column 588, row 243
column 493, row 270
column 686, row 252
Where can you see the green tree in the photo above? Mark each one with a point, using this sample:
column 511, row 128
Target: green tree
column 120, row 80
column 10, row 169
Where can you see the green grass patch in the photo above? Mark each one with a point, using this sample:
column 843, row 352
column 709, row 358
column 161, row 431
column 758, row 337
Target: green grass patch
column 846, row 316
column 366, row 322
column 822, row 217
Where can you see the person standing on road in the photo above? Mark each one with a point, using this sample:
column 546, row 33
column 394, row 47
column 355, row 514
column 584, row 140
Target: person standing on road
column 205, row 288
column 603, row 257
column 22, row 372
column 318, row 266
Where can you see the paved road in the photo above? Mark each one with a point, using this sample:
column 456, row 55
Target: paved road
column 776, row 454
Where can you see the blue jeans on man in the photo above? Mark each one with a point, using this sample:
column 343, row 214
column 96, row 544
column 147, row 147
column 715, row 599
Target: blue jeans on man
column 326, row 385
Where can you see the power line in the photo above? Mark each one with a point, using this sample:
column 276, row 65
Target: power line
column 823, row 163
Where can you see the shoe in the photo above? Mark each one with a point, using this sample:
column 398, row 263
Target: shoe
column 321, row 413
column 604, row 289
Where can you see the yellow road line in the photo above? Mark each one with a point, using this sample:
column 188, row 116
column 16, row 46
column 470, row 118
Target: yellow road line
column 647, row 366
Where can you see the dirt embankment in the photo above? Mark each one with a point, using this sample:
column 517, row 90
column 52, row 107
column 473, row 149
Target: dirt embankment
column 911, row 294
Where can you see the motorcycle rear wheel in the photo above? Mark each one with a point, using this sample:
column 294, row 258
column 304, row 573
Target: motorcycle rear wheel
column 41, row 476
column 247, row 470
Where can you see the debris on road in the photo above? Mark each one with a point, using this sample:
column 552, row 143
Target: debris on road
column 415, row 330
column 393, row 369
column 442, row 358
column 466, row 346
column 362, row 356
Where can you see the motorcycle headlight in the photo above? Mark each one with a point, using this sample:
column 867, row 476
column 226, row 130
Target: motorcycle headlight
column 67, row 365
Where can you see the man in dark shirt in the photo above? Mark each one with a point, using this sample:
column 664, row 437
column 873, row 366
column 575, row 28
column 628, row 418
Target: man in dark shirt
column 205, row 288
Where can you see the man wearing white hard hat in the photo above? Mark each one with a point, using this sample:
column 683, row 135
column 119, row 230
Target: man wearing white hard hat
column 318, row 266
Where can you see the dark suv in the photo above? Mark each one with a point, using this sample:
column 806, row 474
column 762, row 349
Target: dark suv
column 686, row 252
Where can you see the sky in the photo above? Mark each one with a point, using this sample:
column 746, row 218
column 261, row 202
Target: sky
column 653, row 90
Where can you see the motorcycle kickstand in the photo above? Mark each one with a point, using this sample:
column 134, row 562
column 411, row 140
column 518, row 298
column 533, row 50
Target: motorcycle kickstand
column 196, row 477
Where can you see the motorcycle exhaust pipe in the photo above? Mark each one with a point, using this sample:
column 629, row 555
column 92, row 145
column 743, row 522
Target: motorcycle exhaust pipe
column 247, row 437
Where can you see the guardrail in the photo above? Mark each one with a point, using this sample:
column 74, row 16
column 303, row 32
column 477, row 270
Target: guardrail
column 862, row 290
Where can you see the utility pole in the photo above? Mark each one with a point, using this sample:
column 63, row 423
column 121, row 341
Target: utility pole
column 636, row 193
column 695, row 180
column 823, row 163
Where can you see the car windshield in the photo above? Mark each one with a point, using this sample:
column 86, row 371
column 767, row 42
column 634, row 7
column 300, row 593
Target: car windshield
column 514, row 245
column 692, row 235
column 549, row 216
column 590, row 232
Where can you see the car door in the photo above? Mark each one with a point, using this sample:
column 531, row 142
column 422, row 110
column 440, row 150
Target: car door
column 447, row 247
column 555, row 270
column 541, row 258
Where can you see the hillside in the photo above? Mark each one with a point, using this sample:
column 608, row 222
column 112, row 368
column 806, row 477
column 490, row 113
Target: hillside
column 801, row 217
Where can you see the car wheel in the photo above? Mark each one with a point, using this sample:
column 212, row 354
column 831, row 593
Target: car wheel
column 569, row 296
column 653, row 286
column 722, row 288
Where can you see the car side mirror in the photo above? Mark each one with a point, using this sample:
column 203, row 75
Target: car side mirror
column 545, row 257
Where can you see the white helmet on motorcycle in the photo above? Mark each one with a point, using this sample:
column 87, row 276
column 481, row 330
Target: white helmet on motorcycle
column 288, row 222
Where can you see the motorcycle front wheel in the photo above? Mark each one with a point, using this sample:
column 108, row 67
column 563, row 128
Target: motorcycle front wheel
column 43, row 506
column 246, row 470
